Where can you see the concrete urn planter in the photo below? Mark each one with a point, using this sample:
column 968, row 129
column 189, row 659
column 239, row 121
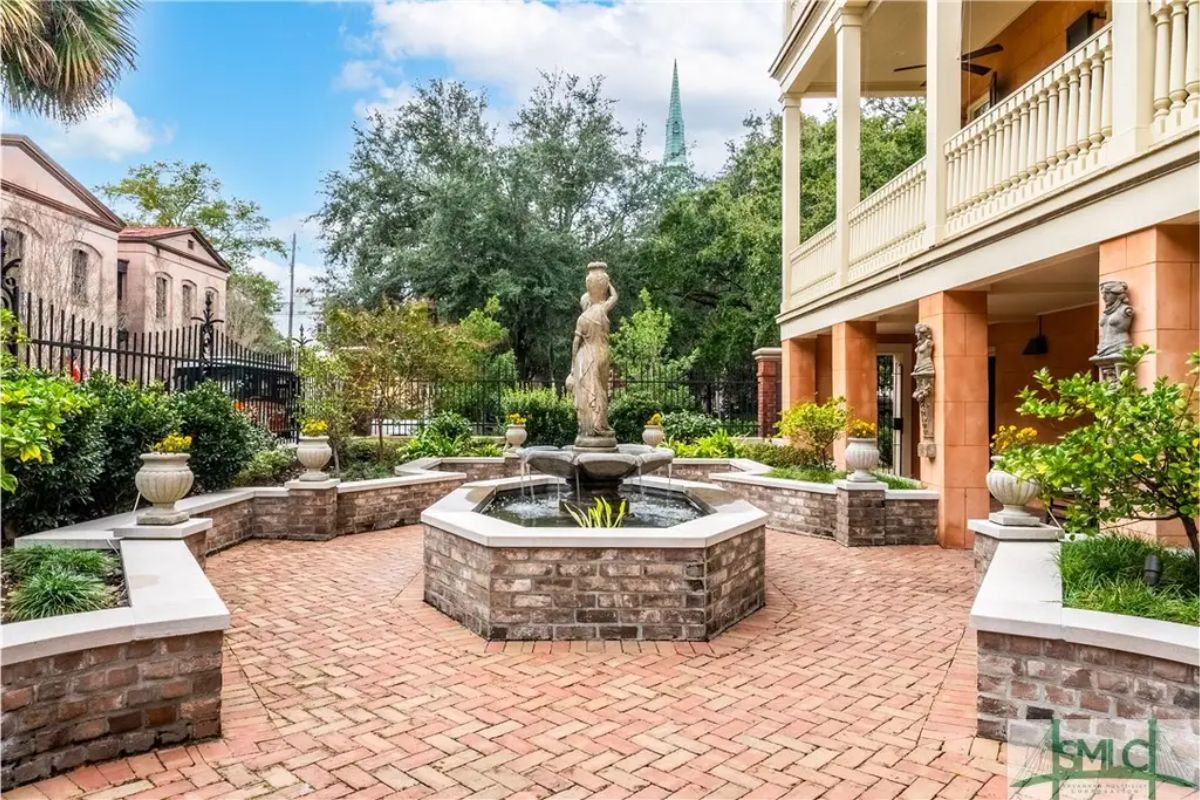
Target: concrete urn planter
column 515, row 436
column 314, row 453
column 652, row 435
column 862, row 456
column 1012, row 493
column 164, row 479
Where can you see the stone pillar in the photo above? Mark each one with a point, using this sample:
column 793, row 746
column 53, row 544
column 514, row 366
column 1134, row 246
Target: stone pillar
column 960, row 411
column 799, row 370
column 861, row 513
column 1133, row 80
column 989, row 535
column 848, row 31
column 824, row 356
column 791, row 188
column 1161, row 266
column 312, row 509
column 767, row 360
column 855, row 373
column 943, row 105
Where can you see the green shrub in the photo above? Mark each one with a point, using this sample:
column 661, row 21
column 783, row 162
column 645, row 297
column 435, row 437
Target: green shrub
column 432, row 442
column 449, row 425
column 222, row 436
column 365, row 471
column 550, row 419
column 58, row 490
column 366, row 450
column 688, row 426
column 813, row 428
column 827, row 475
column 33, row 408
column 267, row 468
column 482, row 446
column 134, row 419
column 1104, row 573
column 629, row 409
column 717, row 445
column 54, row 591
column 20, row 564
column 773, row 455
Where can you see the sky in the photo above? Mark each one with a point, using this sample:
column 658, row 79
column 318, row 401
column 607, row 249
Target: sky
column 266, row 93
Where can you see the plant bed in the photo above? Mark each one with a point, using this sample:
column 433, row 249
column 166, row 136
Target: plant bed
column 1105, row 573
column 40, row 582
column 821, row 475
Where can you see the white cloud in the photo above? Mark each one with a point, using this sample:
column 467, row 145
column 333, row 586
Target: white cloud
column 723, row 49
column 113, row 131
column 358, row 75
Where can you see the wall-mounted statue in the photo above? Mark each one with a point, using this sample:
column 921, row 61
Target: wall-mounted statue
column 1116, row 320
column 923, row 374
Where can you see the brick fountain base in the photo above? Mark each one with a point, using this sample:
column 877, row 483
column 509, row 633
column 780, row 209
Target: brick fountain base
column 503, row 581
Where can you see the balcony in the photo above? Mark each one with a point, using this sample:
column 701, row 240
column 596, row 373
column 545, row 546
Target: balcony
column 1051, row 134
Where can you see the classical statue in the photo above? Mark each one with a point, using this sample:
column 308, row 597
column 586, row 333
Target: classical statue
column 588, row 381
column 923, row 374
column 1116, row 319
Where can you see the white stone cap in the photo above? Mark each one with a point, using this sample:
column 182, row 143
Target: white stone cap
column 180, row 530
column 861, row 486
column 408, row 479
column 779, row 483
column 456, row 513
column 767, row 352
column 1014, row 533
column 912, row 494
column 312, row 486
column 169, row 595
column 1021, row 595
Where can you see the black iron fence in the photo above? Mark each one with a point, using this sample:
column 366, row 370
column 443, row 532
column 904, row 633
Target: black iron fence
column 55, row 339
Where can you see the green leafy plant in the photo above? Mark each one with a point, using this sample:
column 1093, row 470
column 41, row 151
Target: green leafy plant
column 173, row 443
column 550, row 417
column 33, row 409
column 772, row 455
column 630, row 407
column 449, row 425
column 21, row 563
column 1105, row 573
column 600, row 514
column 688, row 426
column 814, row 427
column 1133, row 455
column 267, row 468
column 829, row 475
column 222, row 436
column 314, row 427
column 716, row 445
column 51, row 592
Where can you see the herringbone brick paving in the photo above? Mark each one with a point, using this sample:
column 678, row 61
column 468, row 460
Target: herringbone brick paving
column 855, row 682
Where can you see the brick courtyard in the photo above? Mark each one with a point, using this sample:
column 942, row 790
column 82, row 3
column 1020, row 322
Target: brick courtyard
column 855, row 681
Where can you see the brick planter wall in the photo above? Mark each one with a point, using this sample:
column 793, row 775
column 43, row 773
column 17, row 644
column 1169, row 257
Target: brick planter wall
column 232, row 524
column 792, row 510
column 595, row 593
column 1022, row 677
column 378, row 509
column 702, row 471
column 910, row 521
column 97, row 704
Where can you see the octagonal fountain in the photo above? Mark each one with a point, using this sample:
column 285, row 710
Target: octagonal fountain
column 507, row 558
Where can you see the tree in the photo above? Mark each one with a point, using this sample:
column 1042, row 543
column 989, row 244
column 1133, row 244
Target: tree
column 171, row 194
column 433, row 205
column 63, row 59
column 714, row 250
column 1133, row 455
column 642, row 340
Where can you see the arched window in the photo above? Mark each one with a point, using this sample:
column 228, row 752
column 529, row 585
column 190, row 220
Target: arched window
column 188, row 298
column 162, row 290
column 80, row 275
column 210, row 296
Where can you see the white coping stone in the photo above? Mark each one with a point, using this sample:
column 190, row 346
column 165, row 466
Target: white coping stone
column 474, row 459
column 328, row 483
column 911, row 494
column 1014, row 533
column 456, row 513
column 1021, row 595
column 169, row 595
column 861, row 486
column 180, row 531
column 408, row 479
column 778, row 483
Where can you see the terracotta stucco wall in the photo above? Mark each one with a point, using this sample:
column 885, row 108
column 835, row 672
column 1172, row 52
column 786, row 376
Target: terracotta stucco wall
column 147, row 261
column 1032, row 42
column 1071, row 336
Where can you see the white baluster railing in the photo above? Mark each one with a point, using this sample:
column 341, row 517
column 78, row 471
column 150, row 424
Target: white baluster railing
column 1047, row 133
column 814, row 266
column 888, row 225
column 1176, row 64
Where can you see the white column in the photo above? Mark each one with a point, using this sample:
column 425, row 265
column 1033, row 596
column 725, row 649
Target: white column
column 791, row 188
column 1132, row 77
column 848, row 29
column 943, row 105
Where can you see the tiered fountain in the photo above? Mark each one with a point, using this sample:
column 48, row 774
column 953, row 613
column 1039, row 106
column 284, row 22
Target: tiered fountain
column 686, row 563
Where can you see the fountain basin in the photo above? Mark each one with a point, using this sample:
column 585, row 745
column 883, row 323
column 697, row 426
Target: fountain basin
column 591, row 473
column 505, row 581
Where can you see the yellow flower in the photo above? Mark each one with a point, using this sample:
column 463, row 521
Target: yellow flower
column 1138, row 457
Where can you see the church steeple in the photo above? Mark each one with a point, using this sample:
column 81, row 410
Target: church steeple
column 675, row 151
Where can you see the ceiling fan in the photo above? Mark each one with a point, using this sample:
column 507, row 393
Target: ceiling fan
column 974, row 69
